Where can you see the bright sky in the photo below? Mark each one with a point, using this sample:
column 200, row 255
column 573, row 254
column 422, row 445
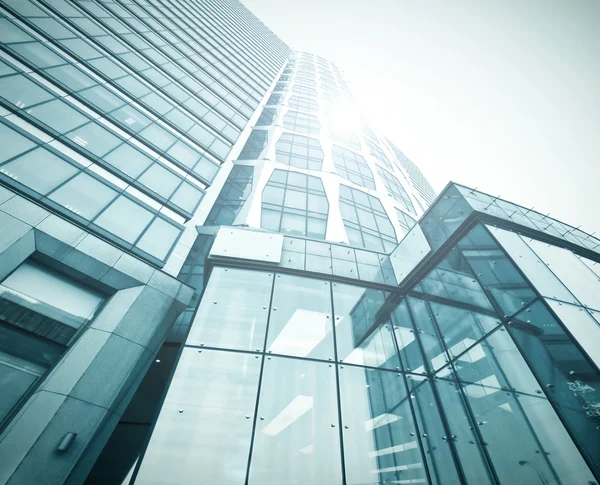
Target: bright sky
column 503, row 95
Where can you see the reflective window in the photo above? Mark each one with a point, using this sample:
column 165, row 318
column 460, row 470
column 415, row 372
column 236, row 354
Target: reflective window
column 306, row 104
column 234, row 193
column 301, row 122
column 366, row 221
column 305, row 90
column 160, row 180
column 58, row 115
column 13, row 143
column 94, row 138
column 571, row 271
column 395, row 189
column 256, row 143
column 187, row 196
column 352, row 167
column 128, row 160
column 159, row 238
column 300, row 322
column 125, row 219
column 39, row 170
column 267, row 117
column 299, row 151
column 377, row 152
column 572, row 384
column 361, row 339
column 454, row 280
column 380, row 437
column 275, row 98
column 234, row 310
column 437, row 450
column 202, row 430
column 22, row 92
column 295, row 203
column 84, row 195
column 297, row 436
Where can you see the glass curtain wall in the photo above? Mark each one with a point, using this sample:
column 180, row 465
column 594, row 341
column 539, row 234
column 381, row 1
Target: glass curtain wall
column 470, row 377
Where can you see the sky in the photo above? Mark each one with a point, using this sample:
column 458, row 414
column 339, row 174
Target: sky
column 499, row 95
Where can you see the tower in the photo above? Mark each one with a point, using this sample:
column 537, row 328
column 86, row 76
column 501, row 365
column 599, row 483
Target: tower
column 213, row 269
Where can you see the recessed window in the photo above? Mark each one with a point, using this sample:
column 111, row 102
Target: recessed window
column 254, row 146
column 301, row 122
column 295, row 203
column 353, row 167
column 395, row 189
column 299, row 151
column 366, row 222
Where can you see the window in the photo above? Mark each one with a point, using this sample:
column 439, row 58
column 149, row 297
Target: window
column 125, row 219
column 299, row 151
column 275, row 98
column 377, row 152
column 302, row 103
column 234, row 193
column 267, row 117
column 395, row 189
column 305, row 90
column 254, row 146
column 366, row 221
column 352, row 167
column 295, row 203
column 40, row 313
column 301, row 122
column 84, row 195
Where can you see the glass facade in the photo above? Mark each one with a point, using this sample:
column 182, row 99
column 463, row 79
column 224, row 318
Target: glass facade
column 471, row 375
column 349, row 330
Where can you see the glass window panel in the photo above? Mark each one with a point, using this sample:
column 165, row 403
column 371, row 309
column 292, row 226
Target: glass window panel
column 102, row 98
column 361, row 339
column 159, row 238
column 462, row 434
column 300, row 321
column 38, row 54
column 234, row 310
column 84, row 195
column 572, row 382
column 569, row 269
column 297, row 439
column 71, row 301
column 202, row 432
column 39, row 170
column 94, row 138
column 125, row 219
column 441, row 465
column 496, row 362
column 525, row 439
column 293, row 224
column 22, row 92
column 273, row 195
column 160, row 180
column 533, row 267
column 380, row 443
column 410, row 352
column 129, row 160
column 434, row 350
column 460, row 328
column 187, row 197
column 13, row 143
column 58, row 115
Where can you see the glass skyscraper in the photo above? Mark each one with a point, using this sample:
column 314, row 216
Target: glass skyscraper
column 214, row 270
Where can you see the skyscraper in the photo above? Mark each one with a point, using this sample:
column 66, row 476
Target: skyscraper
column 214, row 270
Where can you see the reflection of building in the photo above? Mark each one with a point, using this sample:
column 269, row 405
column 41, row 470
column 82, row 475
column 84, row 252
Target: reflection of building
column 313, row 317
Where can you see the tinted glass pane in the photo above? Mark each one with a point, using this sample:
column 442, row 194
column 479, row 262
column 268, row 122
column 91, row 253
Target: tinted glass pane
column 234, row 310
column 84, row 195
column 360, row 338
column 300, row 321
column 159, row 238
column 410, row 352
column 379, row 432
column 525, row 439
column 295, row 441
column 39, row 170
column 125, row 219
column 202, row 432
